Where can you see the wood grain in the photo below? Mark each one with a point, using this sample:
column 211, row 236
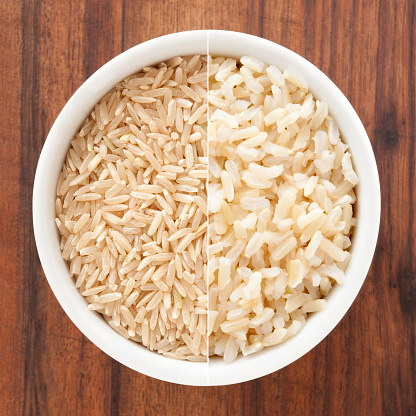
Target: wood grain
column 367, row 365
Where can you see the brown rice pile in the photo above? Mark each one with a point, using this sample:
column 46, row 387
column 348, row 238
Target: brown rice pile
column 133, row 200
column 280, row 199
column 132, row 208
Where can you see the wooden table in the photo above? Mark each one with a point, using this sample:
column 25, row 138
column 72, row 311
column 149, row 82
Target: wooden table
column 367, row 365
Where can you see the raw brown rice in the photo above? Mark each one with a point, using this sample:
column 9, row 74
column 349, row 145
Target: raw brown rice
column 131, row 208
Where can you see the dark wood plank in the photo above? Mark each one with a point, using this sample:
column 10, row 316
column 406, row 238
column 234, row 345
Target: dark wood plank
column 366, row 365
column 393, row 284
column 148, row 19
column 11, row 284
column 64, row 372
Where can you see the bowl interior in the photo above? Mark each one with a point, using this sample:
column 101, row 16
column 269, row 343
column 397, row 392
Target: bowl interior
column 53, row 154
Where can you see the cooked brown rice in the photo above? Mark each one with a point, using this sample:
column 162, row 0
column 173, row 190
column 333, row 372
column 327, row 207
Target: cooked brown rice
column 280, row 199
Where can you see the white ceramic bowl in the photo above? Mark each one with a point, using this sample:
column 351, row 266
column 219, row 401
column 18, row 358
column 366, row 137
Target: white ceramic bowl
column 131, row 354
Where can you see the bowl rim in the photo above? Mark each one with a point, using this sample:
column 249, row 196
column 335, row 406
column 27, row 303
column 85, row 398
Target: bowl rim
column 216, row 372
column 129, row 353
column 365, row 235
